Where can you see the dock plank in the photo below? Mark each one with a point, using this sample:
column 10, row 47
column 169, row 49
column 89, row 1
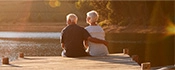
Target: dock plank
column 111, row 62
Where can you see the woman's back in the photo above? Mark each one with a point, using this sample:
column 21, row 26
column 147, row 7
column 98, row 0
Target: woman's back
column 96, row 49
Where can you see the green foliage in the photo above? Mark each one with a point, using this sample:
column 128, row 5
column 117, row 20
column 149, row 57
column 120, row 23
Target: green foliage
column 116, row 12
column 128, row 12
column 102, row 7
column 104, row 23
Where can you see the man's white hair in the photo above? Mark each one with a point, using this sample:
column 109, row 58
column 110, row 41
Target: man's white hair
column 72, row 17
column 93, row 15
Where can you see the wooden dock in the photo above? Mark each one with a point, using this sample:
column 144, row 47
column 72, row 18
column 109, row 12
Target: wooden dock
column 111, row 62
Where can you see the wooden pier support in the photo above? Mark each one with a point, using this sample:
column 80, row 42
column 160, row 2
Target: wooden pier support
column 5, row 60
column 146, row 66
column 21, row 55
column 126, row 51
column 135, row 58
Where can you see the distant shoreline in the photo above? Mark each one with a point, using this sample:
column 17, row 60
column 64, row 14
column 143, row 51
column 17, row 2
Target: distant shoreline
column 35, row 27
column 56, row 27
column 23, row 28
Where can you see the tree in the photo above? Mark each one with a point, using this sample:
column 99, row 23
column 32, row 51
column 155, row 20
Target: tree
column 103, row 7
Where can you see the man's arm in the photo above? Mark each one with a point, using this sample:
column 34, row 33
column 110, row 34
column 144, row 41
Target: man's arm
column 95, row 40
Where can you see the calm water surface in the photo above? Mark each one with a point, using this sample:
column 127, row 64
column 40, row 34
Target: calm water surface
column 54, row 35
column 156, row 48
column 31, row 43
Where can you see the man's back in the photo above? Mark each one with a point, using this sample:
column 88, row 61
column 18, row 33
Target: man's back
column 73, row 37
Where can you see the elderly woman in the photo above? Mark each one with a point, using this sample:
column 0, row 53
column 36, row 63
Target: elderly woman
column 95, row 49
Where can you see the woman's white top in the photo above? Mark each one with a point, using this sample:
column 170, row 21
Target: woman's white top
column 96, row 49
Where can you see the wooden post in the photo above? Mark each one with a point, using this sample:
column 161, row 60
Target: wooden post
column 21, row 55
column 5, row 60
column 126, row 51
column 135, row 58
column 146, row 66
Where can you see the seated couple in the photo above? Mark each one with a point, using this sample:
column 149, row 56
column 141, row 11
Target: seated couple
column 77, row 41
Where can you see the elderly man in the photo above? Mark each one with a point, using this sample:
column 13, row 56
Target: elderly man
column 72, row 37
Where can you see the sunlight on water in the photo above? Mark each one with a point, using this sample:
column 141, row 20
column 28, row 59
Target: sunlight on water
column 30, row 43
column 7, row 51
column 54, row 35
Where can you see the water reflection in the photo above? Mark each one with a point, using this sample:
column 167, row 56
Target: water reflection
column 54, row 35
column 30, row 43
column 152, row 47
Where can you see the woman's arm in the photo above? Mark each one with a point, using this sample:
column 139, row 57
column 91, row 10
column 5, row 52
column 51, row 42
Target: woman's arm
column 86, row 44
column 62, row 45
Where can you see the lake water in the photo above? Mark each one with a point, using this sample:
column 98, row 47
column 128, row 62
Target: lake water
column 155, row 48
column 31, row 43
column 54, row 35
